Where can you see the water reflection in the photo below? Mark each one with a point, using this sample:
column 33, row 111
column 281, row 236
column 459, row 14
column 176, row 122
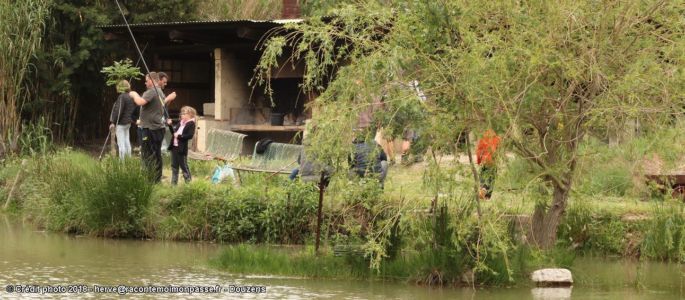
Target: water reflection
column 41, row 258
column 552, row 293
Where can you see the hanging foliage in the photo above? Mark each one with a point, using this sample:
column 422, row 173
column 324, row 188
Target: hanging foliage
column 543, row 75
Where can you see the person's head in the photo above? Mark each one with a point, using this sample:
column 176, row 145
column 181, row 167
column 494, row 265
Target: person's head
column 188, row 113
column 123, row 86
column 163, row 79
column 152, row 80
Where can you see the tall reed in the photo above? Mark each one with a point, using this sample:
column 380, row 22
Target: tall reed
column 21, row 30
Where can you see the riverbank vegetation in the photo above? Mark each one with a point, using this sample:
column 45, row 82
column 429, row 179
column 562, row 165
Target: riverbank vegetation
column 388, row 234
column 561, row 83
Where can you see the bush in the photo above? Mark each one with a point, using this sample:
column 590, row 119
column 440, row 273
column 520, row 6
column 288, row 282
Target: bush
column 71, row 192
column 665, row 237
column 117, row 199
column 276, row 212
column 601, row 232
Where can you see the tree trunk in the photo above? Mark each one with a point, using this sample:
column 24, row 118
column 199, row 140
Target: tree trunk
column 546, row 220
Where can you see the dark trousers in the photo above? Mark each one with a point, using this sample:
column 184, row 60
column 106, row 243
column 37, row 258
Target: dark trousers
column 179, row 160
column 139, row 136
column 151, row 152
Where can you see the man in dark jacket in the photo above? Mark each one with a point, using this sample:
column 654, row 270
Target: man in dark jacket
column 121, row 117
column 368, row 158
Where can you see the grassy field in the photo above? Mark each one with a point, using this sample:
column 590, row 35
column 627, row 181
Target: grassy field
column 407, row 182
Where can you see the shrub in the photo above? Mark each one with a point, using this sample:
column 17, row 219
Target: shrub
column 276, row 212
column 602, row 232
column 665, row 237
column 71, row 192
column 117, row 198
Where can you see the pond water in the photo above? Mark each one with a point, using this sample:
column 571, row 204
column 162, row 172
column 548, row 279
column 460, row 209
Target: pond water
column 38, row 259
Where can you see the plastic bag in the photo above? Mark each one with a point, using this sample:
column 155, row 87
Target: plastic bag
column 221, row 173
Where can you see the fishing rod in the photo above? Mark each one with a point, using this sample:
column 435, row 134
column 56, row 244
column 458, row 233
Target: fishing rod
column 154, row 85
column 109, row 132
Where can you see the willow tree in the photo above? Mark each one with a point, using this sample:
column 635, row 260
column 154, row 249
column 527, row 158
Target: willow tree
column 544, row 74
column 556, row 72
column 20, row 35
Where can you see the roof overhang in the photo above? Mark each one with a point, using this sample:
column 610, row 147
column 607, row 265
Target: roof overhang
column 197, row 35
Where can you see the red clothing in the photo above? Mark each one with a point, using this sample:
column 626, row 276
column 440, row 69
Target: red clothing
column 487, row 147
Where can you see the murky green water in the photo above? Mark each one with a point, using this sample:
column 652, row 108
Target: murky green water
column 29, row 257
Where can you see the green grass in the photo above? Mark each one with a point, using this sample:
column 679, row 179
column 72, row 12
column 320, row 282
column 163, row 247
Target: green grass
column 418, row 267
column 302, row 262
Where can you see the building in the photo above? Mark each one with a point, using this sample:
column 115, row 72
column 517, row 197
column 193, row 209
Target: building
column 210, row 64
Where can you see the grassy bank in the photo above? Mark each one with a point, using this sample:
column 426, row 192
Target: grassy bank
column 367, row 232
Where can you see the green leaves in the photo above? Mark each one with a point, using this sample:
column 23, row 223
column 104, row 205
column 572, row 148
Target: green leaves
column 121, row 70
column 543, row 74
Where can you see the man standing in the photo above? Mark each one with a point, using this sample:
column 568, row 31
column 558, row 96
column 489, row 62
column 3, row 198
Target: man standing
column 163, row 81
column 152, row 123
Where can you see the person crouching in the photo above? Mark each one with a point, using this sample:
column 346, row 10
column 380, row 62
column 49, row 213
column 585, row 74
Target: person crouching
column 183, row 132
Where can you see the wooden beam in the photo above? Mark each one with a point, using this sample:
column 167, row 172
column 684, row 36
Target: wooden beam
column 193, row 36
column 110, row 36
column 265, row 127
column 245, row 32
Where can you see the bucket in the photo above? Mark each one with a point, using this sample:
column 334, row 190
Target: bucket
column 277, row 119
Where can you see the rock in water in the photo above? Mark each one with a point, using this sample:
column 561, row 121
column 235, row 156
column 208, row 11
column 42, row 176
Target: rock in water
column 552, row 277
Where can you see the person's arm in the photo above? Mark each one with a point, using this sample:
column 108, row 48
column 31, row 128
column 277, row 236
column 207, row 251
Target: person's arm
column 188, row 132
column 137, row 99
column 136, row 112
column 169, row 98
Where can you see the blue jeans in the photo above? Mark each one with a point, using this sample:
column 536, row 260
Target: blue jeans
column 123, row 140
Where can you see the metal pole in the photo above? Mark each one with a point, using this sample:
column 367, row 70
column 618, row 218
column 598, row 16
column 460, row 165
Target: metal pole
column 319, row 218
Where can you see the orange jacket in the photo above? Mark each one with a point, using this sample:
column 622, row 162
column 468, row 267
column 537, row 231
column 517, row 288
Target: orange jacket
column 487, row 147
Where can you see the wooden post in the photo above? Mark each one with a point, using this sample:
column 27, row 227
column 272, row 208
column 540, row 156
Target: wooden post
column 113, row 141
column 322, row 187
column 16, row 182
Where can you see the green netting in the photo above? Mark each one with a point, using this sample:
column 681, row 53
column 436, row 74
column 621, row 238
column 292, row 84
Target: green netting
column 277, row 156
column 225, row 144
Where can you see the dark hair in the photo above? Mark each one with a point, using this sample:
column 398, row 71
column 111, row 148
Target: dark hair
column 163, row 75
